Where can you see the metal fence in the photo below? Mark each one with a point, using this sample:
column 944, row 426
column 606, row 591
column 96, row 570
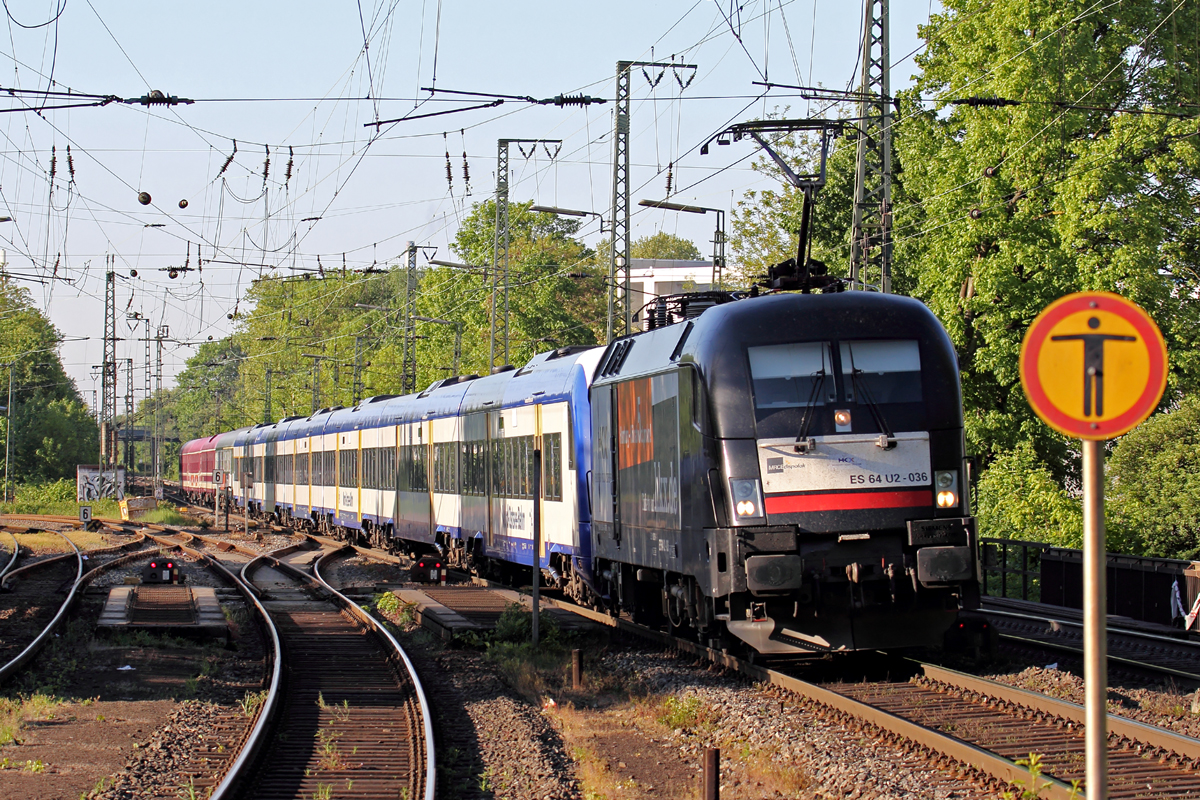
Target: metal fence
column 1013, row 568
column 1139, row 587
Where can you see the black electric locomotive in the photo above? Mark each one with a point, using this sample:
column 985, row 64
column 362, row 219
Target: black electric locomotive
column 787, row 470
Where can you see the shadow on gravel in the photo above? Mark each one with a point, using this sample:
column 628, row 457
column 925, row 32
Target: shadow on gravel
column 460, row 766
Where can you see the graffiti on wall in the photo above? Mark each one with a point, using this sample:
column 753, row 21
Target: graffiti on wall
column 94, row 483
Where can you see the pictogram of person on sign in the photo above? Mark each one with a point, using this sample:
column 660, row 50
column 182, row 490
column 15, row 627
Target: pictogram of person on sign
column 1093, row 362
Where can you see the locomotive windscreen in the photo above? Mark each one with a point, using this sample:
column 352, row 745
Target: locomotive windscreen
column 790, row 380
column 889, row 371
column 790, row 375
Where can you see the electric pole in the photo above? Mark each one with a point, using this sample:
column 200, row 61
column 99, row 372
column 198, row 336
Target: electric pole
column 108, row 389
column 163, row 332
column 316, row 382
column 129, row 418
column 618, row 257
column 267, row 399
column 871, row 235
column 408, row 372
column 135, row 317
column 358, row 384
column 498, row 348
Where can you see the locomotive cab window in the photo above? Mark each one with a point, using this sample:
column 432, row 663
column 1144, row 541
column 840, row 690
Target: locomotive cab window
column 792, row 375
column 882, row 371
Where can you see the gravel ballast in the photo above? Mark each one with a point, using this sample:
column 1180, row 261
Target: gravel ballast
column 1163, row 705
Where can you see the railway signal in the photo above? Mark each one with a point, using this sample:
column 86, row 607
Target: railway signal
column 1094, row 366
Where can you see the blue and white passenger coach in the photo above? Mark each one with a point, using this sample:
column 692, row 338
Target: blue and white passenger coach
column 449, row 469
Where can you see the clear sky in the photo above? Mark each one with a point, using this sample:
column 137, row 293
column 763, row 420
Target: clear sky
column 290, row 79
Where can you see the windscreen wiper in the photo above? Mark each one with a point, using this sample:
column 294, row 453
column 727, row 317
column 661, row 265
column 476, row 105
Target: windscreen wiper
column 804, row 444
column 886, row 440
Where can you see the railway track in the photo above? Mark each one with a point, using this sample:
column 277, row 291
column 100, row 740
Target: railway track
column 217, row 766
column 1127, row 648
column 30, row 611
column 352, row 718
column 9, row 556
column 1142, row 761
column 984, row 726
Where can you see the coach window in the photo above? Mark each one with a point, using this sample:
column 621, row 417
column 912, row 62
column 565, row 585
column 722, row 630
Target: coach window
column 883, row 371
column 445, row 467
column 349, row 468
column 552, row 457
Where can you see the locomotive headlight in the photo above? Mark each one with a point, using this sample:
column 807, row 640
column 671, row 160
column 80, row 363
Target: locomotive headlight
column 946, row 483
column 747, row 499
column 841, row 420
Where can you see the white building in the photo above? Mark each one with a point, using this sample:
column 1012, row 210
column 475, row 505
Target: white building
column 650, row 278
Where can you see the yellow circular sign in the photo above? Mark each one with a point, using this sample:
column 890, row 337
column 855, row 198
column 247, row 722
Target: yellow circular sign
column 1094, row 365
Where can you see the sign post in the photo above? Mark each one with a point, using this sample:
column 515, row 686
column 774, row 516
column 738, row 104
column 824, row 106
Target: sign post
column 216, row 481
column 537, row 542
column 1094, row 366
column 247, row 480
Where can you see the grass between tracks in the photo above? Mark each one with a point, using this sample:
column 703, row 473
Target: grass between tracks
column 15, row 712
column 58, row 497
column 42, row 543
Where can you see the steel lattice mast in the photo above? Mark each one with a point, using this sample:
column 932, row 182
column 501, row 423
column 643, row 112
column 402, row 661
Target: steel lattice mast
column 619, row 257
column 108, row 392
column 871, row 237
column 163, row 332
column 408, row 377
column 498, row 347
column 499, row 321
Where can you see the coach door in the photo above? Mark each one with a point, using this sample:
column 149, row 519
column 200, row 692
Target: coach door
column 473, row 472
column 268, row 495
column 603, row 480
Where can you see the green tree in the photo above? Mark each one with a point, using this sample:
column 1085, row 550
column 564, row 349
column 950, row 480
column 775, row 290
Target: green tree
column 205, row 399
column 664, row 245
column 1019, row 497
column 1013, row 206
column 52, row 430
column 1154, row 483
column 556, row 294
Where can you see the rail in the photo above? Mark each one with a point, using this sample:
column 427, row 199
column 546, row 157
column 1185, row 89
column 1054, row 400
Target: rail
column 82, row 581
column 381, row 630
column 16, row 553
column 986, row 761
column 33, row 647
column 231, row 781
column 274, row 559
